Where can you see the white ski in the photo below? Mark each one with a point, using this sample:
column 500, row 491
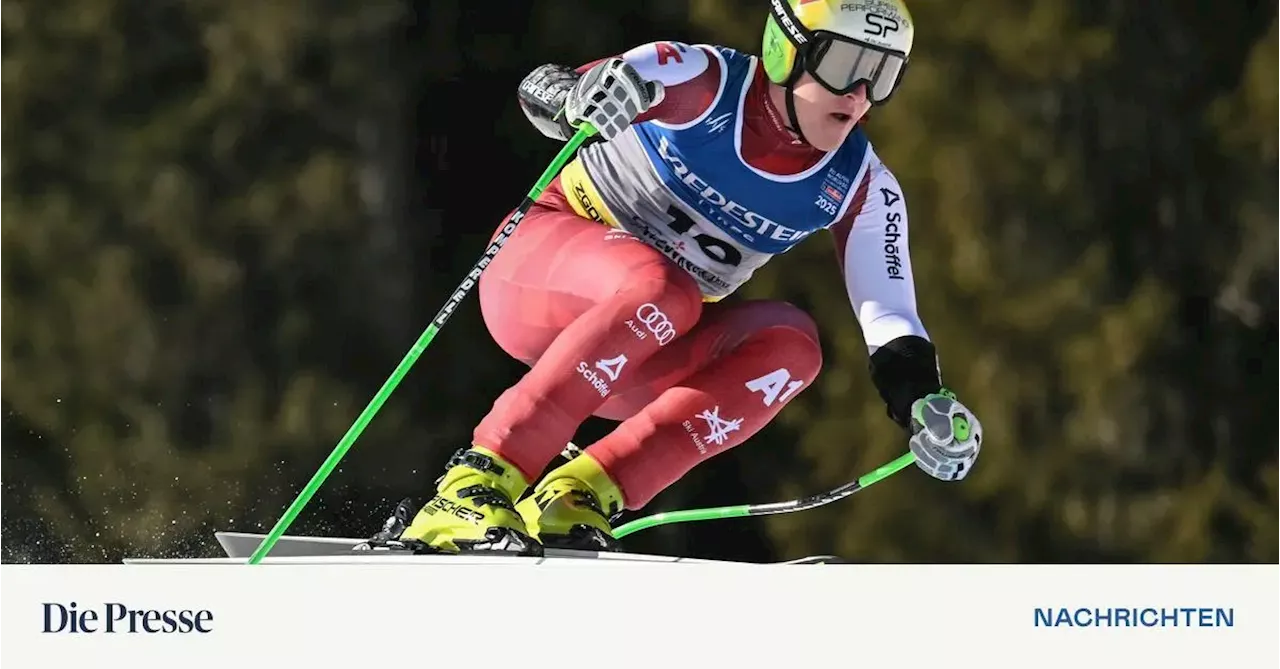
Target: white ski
column 294, row 549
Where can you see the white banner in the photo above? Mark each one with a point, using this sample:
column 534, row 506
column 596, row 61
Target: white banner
column 596, row 613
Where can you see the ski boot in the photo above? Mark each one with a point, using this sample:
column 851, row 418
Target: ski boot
column 571, row 507
column 471, row 511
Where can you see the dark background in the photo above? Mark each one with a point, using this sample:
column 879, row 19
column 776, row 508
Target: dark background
column 224, row 224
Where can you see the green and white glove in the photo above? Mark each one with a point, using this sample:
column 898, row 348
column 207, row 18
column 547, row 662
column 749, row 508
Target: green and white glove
column 610, row 96
column 945, row 436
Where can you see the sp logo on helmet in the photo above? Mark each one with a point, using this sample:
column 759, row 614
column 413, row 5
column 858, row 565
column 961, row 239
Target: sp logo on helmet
column 656, row 323
column 878, row 25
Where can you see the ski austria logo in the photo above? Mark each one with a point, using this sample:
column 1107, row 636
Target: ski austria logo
column 718, row 429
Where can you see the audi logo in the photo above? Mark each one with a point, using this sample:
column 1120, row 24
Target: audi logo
column 656, row 322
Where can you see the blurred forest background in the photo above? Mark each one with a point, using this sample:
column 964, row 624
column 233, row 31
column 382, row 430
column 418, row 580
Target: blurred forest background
column 224, row 223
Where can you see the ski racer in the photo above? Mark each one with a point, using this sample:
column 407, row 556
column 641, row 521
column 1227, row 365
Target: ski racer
column 611, row 289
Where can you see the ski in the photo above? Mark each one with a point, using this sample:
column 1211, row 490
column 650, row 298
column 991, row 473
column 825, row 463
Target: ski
column 294, row 549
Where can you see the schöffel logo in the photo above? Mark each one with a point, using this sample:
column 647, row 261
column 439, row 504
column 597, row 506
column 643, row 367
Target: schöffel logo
column 892, row 249
column 610, row 367
column 116, row 618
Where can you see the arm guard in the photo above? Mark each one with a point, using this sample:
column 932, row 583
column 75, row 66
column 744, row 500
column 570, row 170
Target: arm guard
column 542, row 95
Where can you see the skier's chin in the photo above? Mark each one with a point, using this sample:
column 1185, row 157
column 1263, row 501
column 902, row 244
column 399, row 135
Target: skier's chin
column 830, row 131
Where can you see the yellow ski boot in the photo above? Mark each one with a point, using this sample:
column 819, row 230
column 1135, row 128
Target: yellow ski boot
column 571, row 507
column 472, row 509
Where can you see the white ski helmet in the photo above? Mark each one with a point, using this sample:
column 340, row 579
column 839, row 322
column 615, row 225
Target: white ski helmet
column 840, row 44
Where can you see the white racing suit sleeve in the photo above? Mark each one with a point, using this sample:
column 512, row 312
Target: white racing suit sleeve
column 877, row 262
column 873, row 246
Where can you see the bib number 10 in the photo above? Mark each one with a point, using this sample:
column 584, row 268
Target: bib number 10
column 717, row 249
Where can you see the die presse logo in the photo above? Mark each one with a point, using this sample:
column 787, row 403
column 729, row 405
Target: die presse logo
column 116, row 618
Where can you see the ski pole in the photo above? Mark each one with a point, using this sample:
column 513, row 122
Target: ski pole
column 411, row 357
column 802, row 504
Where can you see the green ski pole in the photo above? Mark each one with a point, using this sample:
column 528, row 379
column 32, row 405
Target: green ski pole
column 411, row 357
column 802, row 504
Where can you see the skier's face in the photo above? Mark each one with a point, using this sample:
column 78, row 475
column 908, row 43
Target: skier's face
column 826, row 118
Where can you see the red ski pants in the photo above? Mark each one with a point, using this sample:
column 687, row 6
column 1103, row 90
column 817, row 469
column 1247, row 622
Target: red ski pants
column 610, row 327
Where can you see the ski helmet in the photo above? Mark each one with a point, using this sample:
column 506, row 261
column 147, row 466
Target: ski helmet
column 840, row 44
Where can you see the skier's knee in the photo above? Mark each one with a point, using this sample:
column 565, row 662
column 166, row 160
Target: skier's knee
column 793, row 336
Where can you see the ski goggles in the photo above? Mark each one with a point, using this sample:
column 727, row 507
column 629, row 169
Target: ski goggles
column 841, row 64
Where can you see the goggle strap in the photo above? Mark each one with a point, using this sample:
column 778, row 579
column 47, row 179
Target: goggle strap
column 790, row 23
